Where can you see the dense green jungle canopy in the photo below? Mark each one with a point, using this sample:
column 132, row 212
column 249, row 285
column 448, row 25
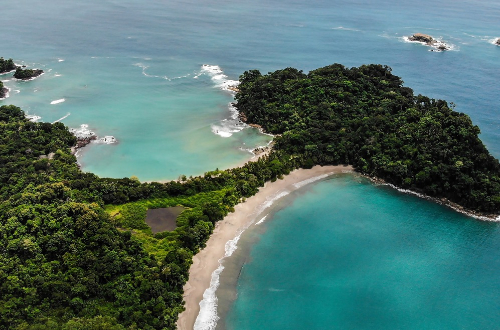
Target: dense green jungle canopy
column 27, row 73
column 66, row 264
column 6, row 65
column 365, row 117
column 75, row 252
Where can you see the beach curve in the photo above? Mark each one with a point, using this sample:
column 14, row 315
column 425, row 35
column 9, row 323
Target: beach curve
column 207, row 263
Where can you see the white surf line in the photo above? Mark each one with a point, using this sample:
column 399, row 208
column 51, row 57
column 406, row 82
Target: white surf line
column 207, row 317
column 58, row 101
column 61, row 118
column 438, row 201
column 33, row 118
column 262, row 220
column 145, row 67
column 311, row 180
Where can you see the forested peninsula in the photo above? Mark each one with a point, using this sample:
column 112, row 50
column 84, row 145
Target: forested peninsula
column 76, row 253
column 365, row 117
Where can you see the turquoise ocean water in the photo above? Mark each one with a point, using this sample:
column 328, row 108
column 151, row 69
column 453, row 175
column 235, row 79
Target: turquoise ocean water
column 152, row 75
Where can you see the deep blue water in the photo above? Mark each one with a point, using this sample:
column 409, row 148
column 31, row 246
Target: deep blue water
column 134, row 70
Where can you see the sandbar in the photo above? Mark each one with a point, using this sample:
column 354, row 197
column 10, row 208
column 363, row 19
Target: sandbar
column 207, row 260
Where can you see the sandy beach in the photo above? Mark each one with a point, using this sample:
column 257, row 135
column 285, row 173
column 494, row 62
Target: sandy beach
column 207, row 260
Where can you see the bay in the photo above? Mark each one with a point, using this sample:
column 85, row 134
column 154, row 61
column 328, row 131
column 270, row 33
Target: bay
column 376, row 258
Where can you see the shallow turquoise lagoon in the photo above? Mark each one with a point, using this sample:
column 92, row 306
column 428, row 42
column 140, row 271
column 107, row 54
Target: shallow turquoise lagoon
column 347, row 254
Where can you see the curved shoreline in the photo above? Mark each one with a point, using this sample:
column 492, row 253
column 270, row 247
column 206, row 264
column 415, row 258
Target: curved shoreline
column 207, row 264
column 207, row 261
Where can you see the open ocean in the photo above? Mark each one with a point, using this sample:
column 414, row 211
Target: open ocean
column 342, row 253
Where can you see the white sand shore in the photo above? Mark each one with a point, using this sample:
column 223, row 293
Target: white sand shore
column 207, row 260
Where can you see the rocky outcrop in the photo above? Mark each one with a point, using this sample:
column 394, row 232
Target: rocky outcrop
column 83, row 141
column 233, row 88
column 429, row 41
column 497, row 42
column 3, row 92
column 242, row 116
column 421, row 38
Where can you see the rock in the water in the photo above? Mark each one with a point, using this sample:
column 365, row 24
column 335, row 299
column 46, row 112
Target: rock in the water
column 422, row 38
column 498, row 42
column 4, row 91
column 429, row 41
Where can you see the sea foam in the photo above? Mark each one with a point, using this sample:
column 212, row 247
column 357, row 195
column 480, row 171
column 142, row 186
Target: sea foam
column 436, row 200
column 33, row 118
column 311, row 180
column 218, row 77
column 226, row 127
column 84, row 133
column 58, row 101
column 345, row 29
column 207, row 317
column 64, row 117
column 262, row 220
column 434, row 46
column 145, row 67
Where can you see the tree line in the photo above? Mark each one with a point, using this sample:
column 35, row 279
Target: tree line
column 66, row 263
column 365, row 117
column 75, row 252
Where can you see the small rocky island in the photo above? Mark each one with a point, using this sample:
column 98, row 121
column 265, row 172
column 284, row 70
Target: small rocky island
column 429, row 41
column 27, row 74
column 6, row 65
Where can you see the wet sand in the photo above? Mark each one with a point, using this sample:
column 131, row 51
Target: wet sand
column 207, row 260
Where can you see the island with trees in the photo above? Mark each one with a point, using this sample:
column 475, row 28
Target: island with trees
column 27, row 74
column 6, row 65
column 77, row 252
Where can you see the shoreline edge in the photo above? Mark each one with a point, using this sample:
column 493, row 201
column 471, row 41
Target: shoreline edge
column 209, row 259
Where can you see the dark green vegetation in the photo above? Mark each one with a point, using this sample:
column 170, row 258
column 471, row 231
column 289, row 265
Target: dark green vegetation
column 2, row 90
column 365, row 117
column 76, row 253
column 26, row 74
column 6, row 65
column 66, row 263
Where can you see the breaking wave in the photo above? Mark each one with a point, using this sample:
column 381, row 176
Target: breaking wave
column 58, row 101
column 226, row 127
